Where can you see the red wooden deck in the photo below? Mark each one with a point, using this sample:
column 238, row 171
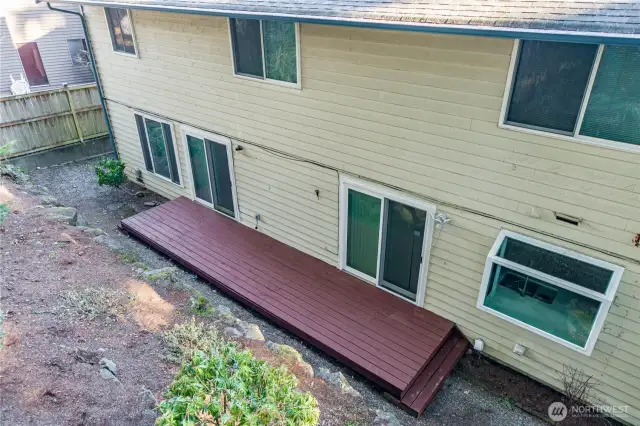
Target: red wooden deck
column 405, row 350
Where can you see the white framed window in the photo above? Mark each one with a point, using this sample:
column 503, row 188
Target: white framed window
column 158, row 147
column 211, row 170
column 385, row 238
column 120, row 23
column 266, row 50
column 579, row 92
column 557, row 293
column 78, row 51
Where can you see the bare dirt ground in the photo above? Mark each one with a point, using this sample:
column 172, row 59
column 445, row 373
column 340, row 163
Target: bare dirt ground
column 49, row 371
column 54, row 338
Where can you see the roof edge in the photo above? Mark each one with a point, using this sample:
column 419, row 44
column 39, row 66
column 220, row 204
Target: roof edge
column 474, row 30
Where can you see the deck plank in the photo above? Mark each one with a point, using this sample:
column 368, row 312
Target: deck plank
column 385, row 332
column 385, row 338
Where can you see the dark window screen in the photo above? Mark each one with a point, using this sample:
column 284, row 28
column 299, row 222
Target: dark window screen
column 613, row 111
column 247, row 47
column 564, row 267
column 549, row 84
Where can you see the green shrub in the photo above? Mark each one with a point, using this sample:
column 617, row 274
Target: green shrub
column 200, row 305
column 110, row 172
column 231, row 387
column 129, row 257
column 6, row 149
column 4, row 211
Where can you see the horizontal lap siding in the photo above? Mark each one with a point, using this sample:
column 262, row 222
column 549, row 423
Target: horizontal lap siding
column 50, row 30
column 413, row 111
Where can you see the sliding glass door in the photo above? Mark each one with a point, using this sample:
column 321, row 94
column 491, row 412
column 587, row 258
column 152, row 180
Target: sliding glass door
column 211, row 170
column 384, row 238
column 401, row 256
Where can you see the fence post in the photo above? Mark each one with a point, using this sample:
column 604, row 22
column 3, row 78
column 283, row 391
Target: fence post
column 73, row 111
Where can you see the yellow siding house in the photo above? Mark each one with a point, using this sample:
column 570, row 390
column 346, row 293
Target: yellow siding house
column 511, row 142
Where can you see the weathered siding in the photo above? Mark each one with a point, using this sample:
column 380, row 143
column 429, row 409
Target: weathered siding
column 26, row 22
column 413, row 111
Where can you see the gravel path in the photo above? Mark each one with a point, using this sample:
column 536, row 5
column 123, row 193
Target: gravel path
column 460, row 402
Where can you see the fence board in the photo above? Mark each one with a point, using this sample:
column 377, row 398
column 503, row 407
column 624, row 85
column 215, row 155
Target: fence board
column 42, row 120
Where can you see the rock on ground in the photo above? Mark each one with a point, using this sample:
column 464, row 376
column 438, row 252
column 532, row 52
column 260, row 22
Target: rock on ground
column 251, row 331
column 15, row 173
column 385, row 418
column 37, row 189
column 67, row 215
column 147, row 398
column 94, row 231
column 290, row 353
column 232, row 333
column 108, row 369
column 223, row 310
column 109, row 242
column 87, row 356
column 49, row 200
column 338, row 381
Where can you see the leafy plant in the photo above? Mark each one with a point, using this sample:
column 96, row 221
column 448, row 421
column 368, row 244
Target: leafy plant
column 200, row 305
column 111, row 172
column 188, row 338
column 6, row 149
column 129, row 257
column 227, row 386
column 4, row 211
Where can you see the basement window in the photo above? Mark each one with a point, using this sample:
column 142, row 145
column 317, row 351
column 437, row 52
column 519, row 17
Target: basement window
column 556, row 293
column 266, row 50
column 158, row 147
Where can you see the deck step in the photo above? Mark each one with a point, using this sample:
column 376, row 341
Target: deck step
column 425, row 387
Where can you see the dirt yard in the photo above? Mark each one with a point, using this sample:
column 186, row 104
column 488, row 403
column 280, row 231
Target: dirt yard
column 68, row 302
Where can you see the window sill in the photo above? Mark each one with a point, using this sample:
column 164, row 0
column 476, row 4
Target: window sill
column 297, row 86
column 128, row 55
column 180, row 185
column 585, row 140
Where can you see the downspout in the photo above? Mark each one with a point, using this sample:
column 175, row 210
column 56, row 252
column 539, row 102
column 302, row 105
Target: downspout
column 94, row 69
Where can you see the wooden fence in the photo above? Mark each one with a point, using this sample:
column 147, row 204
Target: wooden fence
column 48, row 119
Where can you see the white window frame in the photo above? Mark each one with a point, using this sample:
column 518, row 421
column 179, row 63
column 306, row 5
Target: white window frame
column 202, row 134
column 145, row 117
column 133, row 33
column 69, row 50
column 297, row 84
column 576, row 136
column 604, row 299
column 383, row 193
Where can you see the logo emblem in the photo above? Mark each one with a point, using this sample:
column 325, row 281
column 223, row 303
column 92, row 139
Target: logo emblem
column 558, row 411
